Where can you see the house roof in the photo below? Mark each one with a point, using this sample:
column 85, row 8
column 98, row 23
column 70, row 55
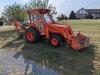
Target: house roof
column 93, row 11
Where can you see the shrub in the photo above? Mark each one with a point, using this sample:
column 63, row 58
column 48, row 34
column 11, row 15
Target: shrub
column 1, row 23
column 62, row 17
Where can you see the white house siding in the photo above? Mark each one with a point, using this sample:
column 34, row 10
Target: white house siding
column 96, row 16
column 81, row 13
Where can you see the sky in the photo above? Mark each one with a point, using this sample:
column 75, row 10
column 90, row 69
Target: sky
column 62, row 6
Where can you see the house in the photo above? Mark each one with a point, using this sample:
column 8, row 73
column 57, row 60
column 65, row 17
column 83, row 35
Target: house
column 88, row 13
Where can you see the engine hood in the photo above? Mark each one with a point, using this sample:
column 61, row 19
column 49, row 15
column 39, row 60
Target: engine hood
column 57, row 26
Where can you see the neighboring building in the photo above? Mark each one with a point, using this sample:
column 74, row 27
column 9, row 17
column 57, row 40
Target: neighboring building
column 84, row 13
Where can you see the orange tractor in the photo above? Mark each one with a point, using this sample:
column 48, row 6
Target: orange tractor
column 41, row 25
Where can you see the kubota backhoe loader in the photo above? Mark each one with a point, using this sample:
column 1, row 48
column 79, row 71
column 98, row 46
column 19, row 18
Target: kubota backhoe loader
column 40, row 24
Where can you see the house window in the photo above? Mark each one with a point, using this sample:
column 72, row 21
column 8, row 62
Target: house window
column 98, row 15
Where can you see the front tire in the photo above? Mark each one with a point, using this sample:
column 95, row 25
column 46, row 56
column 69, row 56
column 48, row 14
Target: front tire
column 55, row 40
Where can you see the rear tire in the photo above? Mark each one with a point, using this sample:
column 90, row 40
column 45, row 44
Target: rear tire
column 31, row 35
column 55, row 40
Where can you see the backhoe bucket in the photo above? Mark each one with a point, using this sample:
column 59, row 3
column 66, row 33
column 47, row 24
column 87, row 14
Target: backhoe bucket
column 79, row 42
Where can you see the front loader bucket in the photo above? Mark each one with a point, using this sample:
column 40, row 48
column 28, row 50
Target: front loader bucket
column 80, row 42
column 75, row 44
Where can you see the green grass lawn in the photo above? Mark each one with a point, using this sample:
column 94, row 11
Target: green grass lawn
column 65, row 60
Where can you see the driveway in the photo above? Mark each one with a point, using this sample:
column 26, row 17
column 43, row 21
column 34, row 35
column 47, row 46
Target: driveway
column 12, row 63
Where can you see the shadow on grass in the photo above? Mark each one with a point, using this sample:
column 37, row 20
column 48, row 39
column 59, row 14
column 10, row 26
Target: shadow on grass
column 63, row 59
column 14, row 44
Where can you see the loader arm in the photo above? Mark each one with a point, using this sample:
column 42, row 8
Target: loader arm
column 71, row 38
column 67, row 33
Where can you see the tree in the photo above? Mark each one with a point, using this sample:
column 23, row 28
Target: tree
column 53, row 9
column 72, row 15
column 15, row 11
column 3, row 18
column 33, row 4
column 38, row 3
column 18, row 11
column 62, row 17
column 1, row 23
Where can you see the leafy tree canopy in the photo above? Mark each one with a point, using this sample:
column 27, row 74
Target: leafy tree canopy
column 18, row 11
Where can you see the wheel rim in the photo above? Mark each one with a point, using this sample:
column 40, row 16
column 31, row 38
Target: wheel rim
column 54, row 41
column 30, row 36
